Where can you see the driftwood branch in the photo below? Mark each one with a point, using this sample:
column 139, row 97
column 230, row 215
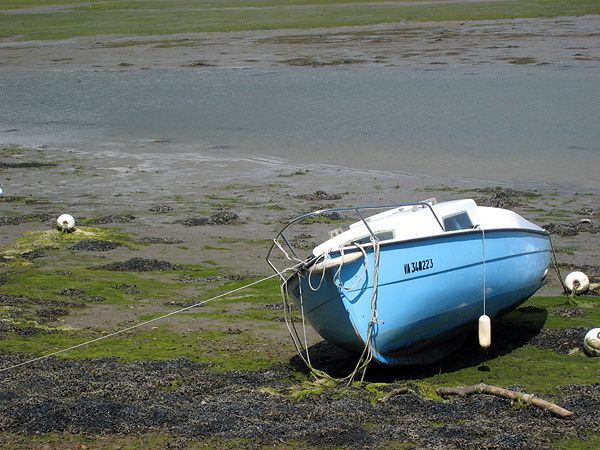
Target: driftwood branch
column 394, row 392
column 482, row 388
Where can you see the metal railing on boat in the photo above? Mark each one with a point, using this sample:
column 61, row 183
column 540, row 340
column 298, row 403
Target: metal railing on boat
column 282, row 242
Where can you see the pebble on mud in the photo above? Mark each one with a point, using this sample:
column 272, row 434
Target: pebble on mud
column 572, row 228
column 94, row 245
column 303, row 241
column 564, row 311
column 159, row 240
column 211, row 278
column 34, row 254
column 52, row 312
column 218, row 218
column 71, row 292
column 560, row 340
column 161, row 208
column 138, row 265
column 25, row 218
column 114, row 218
column 128, row 288
column 500, row 197
column 21, row 300
column 25, row 165
column 319, row 195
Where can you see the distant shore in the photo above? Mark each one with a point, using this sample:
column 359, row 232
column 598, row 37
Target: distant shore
column 558, row 41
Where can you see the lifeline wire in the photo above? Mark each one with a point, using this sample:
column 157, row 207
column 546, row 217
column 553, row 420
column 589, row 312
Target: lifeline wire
column 172, row 313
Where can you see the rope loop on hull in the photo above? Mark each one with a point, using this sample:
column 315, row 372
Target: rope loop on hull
column 300, row 341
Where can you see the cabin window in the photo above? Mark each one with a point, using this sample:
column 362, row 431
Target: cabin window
column 459, row 221
column 382, row 236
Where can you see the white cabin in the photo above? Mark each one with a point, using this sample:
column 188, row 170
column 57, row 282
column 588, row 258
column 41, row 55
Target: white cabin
column 413, row 222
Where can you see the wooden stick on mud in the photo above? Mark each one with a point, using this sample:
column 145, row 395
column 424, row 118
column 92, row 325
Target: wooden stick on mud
column 506, row 393
column 394, row 392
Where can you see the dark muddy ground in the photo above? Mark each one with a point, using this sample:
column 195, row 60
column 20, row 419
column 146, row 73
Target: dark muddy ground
column 104, row 396
column 139, row 265
column 319, row 195
column 192, row 401
column 24, row 218
column 113, row 218
column 562, row 340
column 159, row 240
column 218, row 218
column 94, row 245
column 499, row 197
column 573, row 228
column 25, row 165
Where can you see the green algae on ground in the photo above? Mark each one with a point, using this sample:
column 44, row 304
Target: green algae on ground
column 68, row 279
column 54, row 239
column 225, row 316
column 222, row 350
column 47, row 283
column 236, row 338
column 589, row 304
column 590, row 441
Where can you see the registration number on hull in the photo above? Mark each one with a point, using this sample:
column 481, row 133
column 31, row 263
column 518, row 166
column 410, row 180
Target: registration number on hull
column 418, row 266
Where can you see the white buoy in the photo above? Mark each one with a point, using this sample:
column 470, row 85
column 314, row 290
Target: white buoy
column 1, row 193
column 591, row 342
column 577, row 282
column 66, row 223
column 485, row 331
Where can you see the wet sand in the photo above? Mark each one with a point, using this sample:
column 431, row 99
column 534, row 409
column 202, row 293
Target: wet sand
column 263, row 192
column 558, row 41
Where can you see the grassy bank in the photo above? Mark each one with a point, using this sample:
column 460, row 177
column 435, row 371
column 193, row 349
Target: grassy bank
column 46, row 20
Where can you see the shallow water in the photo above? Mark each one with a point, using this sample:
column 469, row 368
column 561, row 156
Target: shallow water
column 521, row 124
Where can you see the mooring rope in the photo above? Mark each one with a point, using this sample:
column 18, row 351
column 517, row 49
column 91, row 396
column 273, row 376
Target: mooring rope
column 141, row 324
column 366, row 355
column 560, row 279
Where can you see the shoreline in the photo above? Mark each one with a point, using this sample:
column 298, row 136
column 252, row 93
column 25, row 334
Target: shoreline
column 93, row 184
column 557, row 41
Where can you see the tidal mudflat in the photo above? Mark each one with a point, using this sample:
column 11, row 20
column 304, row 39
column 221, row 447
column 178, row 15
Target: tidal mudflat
column 225, row 374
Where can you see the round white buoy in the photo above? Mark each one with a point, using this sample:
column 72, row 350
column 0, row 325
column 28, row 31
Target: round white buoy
column 591, row 342
column 485, row 331
column 66, row 222
column 577, row 282
column 1, row 193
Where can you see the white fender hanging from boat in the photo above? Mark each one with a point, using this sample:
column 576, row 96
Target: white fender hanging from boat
column 577, row 282
column 65, row 222
column 485, row 331
column 591, row 342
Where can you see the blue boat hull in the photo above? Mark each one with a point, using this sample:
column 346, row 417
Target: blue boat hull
column 429, row 290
